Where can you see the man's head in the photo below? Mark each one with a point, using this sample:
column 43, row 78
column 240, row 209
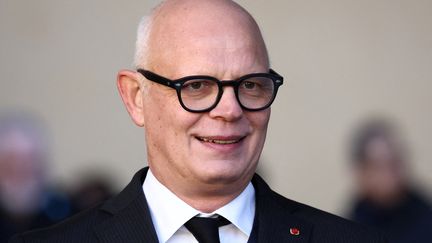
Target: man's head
column 23, row 158
column 379, row 162
column 210, row 153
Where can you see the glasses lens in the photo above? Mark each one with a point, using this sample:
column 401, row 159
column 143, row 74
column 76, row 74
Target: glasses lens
column 256, row 92
column 199, row 94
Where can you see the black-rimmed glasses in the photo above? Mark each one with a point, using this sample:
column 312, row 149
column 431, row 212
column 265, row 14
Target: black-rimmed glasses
column 201, row 93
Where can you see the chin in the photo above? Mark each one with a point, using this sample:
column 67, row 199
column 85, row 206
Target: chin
column 224, row 173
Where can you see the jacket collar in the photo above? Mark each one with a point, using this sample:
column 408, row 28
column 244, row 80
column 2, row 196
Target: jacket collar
column 129, row 218
column 274, row 219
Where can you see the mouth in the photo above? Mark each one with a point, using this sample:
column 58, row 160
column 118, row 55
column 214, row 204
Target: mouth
column 222, row 141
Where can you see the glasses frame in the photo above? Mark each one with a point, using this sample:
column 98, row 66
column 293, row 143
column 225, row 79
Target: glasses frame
column 177, row 84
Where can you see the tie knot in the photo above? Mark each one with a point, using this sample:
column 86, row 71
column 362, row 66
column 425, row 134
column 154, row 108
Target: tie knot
column 206, row 230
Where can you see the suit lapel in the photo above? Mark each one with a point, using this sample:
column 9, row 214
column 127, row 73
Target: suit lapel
column 130, row 219
column 274, row 221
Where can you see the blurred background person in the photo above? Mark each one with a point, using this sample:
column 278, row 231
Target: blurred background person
column 93, row 188
column 386, row 197
column 26, row 200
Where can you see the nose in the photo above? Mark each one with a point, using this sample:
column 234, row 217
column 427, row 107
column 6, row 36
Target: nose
column 228, row 107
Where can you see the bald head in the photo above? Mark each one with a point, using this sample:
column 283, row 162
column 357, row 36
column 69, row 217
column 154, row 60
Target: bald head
column 180, row 30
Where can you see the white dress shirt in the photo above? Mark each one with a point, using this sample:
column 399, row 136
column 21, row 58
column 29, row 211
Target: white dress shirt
column 169, row 214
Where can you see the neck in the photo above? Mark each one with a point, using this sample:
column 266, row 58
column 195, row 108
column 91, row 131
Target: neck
column 208, row 203
column 204, row 197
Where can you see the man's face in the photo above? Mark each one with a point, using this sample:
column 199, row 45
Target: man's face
column 221, row 146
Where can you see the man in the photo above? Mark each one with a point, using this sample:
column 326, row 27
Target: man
column 204, row 139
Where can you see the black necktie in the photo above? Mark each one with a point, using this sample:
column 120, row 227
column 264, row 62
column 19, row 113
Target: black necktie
column 206, row 230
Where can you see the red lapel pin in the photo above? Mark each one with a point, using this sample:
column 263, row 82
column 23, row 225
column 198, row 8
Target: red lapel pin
column 294, row 231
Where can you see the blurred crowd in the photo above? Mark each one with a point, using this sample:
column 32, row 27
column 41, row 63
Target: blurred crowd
column 27, row 199
column 385, row 198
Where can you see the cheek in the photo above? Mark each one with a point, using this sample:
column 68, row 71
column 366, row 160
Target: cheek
column 158, row 107
column 165, row 120
column 259, row 120
column 156, row 123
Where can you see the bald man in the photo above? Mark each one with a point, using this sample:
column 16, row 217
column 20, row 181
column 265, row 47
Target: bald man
column 202, row 91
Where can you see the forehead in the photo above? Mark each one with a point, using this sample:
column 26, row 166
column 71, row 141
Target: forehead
column 200, row 39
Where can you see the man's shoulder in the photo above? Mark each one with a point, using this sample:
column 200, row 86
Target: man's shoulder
column 323, row 221
column 77, row 228
column 309, row 213
column 123, row 218
column 313, row 223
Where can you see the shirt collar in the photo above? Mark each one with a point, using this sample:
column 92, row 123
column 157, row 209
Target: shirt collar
column 241, row 210
column 169, row 212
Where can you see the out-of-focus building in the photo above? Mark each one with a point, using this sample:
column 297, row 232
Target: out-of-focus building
column 386, row 196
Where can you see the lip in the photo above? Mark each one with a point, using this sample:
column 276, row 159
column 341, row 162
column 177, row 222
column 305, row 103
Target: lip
column 223, row 140
column 222, row 143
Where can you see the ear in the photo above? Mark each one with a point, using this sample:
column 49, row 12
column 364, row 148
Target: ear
column 128, row 84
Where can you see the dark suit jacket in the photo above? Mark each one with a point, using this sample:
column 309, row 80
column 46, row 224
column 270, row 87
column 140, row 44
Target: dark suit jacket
column 126, row 218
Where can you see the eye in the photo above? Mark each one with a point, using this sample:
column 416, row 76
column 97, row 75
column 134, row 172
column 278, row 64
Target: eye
column 256, row 87
column 199, row 87
column 195, row 85
column 249, row 85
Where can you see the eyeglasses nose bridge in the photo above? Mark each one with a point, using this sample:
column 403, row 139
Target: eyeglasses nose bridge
column 233, row 83
column 228, row 83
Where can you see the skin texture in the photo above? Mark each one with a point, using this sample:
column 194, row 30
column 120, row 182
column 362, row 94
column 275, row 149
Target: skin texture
column 191, row 37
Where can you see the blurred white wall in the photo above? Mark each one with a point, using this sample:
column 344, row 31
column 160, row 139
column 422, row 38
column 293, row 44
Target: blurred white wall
column 343, row 60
